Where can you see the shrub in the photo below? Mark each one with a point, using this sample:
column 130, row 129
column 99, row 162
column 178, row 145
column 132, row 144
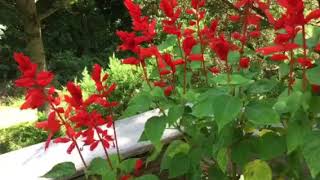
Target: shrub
column 19, row 136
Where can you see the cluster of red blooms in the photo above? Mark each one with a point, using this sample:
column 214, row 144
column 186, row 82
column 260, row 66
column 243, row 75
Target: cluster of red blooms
column 76, row 116
column 198, row 33
column 140, row 40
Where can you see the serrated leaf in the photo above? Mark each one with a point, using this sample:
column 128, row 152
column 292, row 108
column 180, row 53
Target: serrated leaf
column 61, row 170
column 261, row 114
column 226, row 108
column 138, row 104
column 203, row 108
column 257, row 170
column 154, row 129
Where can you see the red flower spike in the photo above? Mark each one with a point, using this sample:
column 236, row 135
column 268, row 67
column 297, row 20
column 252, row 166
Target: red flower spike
column 25, row 82
column 241, row 3
column 236, row 35
column 187, row 44
column 305, row 62
column 61, row 140
column 196, row 57
column 317, row 48
column 96, row 73
column 278, row 57
column 35, row 98
column 255, row 34
column 214, row 70
column 244, row 62
column 315, row 88
column 160, row 83
column 125, row 177
column 168, row 90
column 234, row 18
column 312, row 15
column 277, row 48
column 94, row 145
column 138, row 166
column 131, row 60
column 134, row 9
column 76, row 95
column 71, row 147
column 23, row 61
column 44, row 78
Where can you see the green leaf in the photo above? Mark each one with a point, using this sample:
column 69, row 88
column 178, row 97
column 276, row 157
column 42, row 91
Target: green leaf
column 127, row 166
column 268, row 140
column 154, row 129
column 311, row 151
column 177, row 147
column 175, row 112
column 226, row 109
column 315, row 104
column 196, row 49
column 233, row 57
column 235, row 79
column 147, row 177
column 243, row 151
column 262, row 114
column 284, row 70
column 100, row 166
column 257, row 170
column 138, row 104
column 203, row 108
column 313, row 75
column 296, row 134
column 222, row 159
column 61, row 170
column 262, row 86
column 179, row 165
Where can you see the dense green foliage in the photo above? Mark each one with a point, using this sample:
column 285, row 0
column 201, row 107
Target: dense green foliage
column 19, row 136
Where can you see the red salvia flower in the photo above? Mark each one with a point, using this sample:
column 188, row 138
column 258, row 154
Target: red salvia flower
column 278, row 57
column 168, row 90
column 214, row 70
column 244, row 62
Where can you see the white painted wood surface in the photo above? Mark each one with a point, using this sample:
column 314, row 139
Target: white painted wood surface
column 31, row 162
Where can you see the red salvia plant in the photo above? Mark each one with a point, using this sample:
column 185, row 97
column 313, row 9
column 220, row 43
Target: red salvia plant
column 76, row 118
column 223, row 117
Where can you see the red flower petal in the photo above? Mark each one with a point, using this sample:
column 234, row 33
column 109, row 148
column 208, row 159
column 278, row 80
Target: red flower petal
column 196, row 57
column 44, row 78
column 312, row 15
column 61, row 140
column 168, row 90
column 244, row 62
column 94, row 145
column 278, row 57
column 131, row 60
